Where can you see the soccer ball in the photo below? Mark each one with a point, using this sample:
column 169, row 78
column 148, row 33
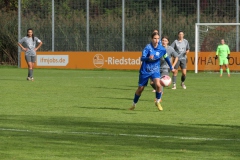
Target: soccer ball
column 165, row 81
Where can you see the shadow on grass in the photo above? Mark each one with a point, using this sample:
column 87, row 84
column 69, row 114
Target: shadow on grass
column 120, row 88
column 134, row 87
column 103, row 108
column 218, row 125
column 201, row 138
column 115, row 109
column 131, row 99
column 116, row 98
column 13, row 79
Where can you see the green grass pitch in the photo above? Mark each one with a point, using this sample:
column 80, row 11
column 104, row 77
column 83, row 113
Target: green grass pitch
column 83, row 114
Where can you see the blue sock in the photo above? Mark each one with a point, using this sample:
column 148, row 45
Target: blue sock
column 158, row 95
column 136, row 98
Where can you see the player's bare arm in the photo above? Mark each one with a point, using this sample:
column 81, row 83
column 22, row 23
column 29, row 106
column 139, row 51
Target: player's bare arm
column 21, row 46
column 39, row 45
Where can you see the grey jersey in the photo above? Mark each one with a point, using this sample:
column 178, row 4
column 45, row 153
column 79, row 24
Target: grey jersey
column 171, row 53
column 28, row 43
column 181, row 48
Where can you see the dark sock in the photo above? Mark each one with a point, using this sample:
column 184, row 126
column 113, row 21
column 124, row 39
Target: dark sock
column 183, row 78
column 158, row 95
column 28, row 72
column 136, row 98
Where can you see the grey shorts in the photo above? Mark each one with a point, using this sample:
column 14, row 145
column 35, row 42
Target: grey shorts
column 182, row 63
column 164, row 71
column 30, row 58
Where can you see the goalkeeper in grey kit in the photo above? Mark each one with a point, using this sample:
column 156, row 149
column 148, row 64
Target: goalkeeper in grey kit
column 28, row 45
column 181, row 46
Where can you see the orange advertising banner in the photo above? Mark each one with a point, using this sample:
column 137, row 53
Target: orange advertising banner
column 207, row 62
column 86, row 60
column 119, row 60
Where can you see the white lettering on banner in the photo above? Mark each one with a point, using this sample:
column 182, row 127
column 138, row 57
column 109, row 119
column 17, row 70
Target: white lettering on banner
column 99, row 61
column 52, row 60
column 123, row 61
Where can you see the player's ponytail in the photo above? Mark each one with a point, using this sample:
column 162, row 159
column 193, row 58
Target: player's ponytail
column 33, row 37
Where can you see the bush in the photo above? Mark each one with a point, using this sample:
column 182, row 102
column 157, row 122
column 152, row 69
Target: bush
column 8, row 37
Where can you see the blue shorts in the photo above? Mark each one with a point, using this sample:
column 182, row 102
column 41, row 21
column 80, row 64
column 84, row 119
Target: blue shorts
column 143, row 78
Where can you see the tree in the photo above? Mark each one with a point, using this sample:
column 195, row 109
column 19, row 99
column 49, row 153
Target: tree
column 9, row 5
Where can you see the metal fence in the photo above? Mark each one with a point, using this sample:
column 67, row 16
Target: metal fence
column 117, row 25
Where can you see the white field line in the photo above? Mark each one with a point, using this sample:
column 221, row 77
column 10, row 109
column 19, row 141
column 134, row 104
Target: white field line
column 121, row 134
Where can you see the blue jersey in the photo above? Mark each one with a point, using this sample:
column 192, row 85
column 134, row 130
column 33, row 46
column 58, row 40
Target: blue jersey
column 151, row 66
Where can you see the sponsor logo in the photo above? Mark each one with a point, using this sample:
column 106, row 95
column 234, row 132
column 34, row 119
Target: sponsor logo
column 123, row 61
column 52, row 60
column 99, row 61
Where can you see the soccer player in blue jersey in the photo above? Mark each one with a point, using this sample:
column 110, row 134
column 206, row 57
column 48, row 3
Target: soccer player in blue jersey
column 159, row 42
column 150, row 68
column 164, row 68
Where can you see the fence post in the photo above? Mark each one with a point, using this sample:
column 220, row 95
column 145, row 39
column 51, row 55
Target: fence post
column 196, row 48
column 19, row 32
column 87, row 17
column 123, row 25
column 53, row 26
column 198, row 11
column 237, row 29
column 197, row 37
column 160, row 17
column 198, row 21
